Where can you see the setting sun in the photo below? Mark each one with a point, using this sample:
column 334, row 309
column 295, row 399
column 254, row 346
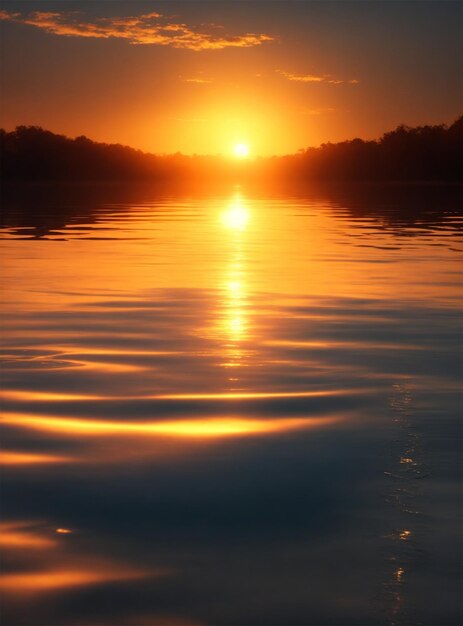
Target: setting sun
column 241, row 150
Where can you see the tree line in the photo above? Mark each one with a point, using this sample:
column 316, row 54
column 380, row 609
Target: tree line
column 423, row 153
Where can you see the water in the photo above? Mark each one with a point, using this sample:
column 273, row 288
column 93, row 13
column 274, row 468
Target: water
column 231, row 407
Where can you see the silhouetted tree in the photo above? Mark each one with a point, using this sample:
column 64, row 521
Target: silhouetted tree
column 425, row 153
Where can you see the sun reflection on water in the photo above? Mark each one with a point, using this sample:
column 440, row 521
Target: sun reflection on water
column 236, row 217
column 234, row 323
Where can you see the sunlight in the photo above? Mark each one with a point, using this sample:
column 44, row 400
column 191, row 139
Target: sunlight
column 236, row 326
column 236, row 216
column 241, row 150
column 235, row 289
column 233, row 325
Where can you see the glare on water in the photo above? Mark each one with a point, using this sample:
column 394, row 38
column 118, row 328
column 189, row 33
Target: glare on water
column 214, row 403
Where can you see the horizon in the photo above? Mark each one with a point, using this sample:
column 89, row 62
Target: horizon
column 197, row 78
column 232, row 155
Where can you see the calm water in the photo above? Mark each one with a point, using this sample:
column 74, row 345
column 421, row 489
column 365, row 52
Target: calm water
column 231, row 407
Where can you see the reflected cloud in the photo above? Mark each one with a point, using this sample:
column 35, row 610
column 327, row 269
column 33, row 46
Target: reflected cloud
column 195, row 429
column 18, row 535
column 27, row 395
column 28, row 458
column 254, row 395
column 58, row 565
column 55, row 580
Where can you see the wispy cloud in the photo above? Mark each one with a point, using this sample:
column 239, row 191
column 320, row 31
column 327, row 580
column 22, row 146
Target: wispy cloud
column 315, row 78
column 199, row 81
column 317, row 111
column 147, row 29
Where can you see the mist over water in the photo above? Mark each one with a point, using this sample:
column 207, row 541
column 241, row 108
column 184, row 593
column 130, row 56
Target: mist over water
column 231, row 407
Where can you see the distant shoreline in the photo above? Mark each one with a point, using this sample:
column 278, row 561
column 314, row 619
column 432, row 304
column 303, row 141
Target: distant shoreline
column 422, row 155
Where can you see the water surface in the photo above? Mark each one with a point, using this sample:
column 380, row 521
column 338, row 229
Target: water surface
column 231, row 407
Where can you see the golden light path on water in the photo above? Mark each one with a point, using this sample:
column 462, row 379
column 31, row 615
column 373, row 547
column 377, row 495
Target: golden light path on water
column 234, row 325
column 42, row 396
column 214, row 373
column 220, row 427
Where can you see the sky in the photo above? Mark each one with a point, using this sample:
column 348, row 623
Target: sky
column 201, row 77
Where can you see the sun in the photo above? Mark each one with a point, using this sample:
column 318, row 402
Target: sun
column 241, row 150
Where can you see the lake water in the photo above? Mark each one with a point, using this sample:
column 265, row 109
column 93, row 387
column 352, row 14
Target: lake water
column 231, row 406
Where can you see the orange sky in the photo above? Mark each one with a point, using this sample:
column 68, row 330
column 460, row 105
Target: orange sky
column 200, row 77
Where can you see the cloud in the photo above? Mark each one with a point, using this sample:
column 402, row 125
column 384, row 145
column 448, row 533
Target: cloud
column 147, row 29
column 197, row 80
column 317, row 111
column 302, row 78
column 315, row 78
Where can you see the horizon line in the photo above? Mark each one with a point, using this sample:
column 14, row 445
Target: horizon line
column 225, row 155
